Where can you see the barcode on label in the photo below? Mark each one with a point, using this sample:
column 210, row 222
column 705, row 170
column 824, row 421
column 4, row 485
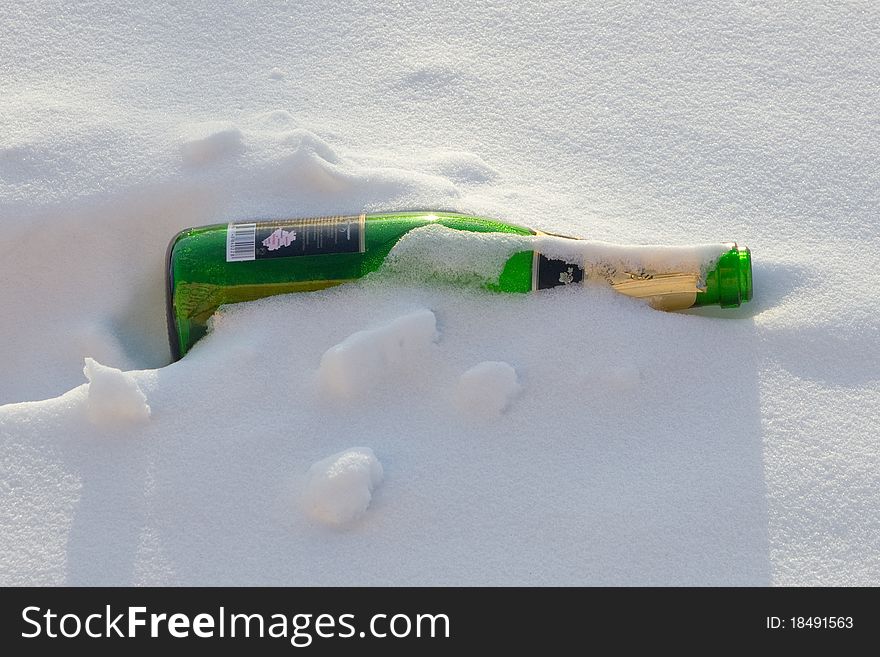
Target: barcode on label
column 241, row 242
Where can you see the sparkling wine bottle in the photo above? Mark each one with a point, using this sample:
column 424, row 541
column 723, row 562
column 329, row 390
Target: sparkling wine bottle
column 228, row 263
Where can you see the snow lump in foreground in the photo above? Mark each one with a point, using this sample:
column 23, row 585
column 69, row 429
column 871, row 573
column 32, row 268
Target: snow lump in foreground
column 369, row 355
column 487, row 388
column 114, row 396
column 339, row 488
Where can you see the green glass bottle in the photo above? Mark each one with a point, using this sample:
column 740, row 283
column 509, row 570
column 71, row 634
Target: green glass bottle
column 228, row 263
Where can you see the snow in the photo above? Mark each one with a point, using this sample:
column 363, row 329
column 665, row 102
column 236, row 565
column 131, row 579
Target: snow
column 339, row 488
column 709, row 447
column 211, row 141
column 356, row 363
column 435, row 254
column 487, row 388
column 114, row 396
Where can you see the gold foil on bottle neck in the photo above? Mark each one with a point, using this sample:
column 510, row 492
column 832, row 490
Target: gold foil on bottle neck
column 674, row 291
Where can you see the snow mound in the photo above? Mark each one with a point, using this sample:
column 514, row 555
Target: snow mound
column 437, row 253
column 306, row 141
column 114, row 396
column 339, row 488
column 487, row 388
column 461, row 167
column 273, row 121
column 369, row 355
column 212, row 141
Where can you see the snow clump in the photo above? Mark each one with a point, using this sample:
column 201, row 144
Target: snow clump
column 363, row 357
column 487, row 388
column 114, row 396
column 339, row 488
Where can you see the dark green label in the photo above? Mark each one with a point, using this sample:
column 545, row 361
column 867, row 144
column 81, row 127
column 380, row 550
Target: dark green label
column 553, row 273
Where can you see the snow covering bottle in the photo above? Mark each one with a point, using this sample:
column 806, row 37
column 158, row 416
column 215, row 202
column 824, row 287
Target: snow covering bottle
column 227, row 263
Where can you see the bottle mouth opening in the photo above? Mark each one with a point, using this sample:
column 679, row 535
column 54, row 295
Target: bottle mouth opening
column 745, row 273
column 734, row 277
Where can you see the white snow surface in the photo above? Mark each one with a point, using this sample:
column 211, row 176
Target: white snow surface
column 339, row 488
column 707, row 447
column 487, row 388
column 114, row 396
column 367, row 357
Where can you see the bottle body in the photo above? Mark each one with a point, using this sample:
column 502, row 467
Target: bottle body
column 229, row 263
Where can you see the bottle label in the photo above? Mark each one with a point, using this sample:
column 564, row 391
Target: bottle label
column 548, row 272
column 294, row 237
